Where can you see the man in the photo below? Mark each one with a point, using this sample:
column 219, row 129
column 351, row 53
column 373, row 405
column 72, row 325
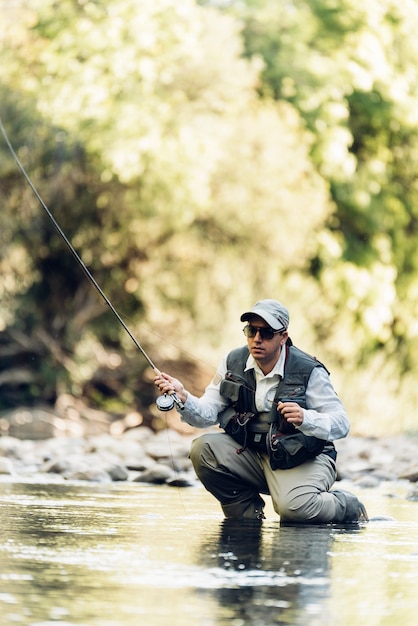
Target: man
column 280, row 415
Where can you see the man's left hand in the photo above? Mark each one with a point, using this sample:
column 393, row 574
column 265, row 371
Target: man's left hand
column 292, row 412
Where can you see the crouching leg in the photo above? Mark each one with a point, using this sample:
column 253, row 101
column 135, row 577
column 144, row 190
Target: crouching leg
column 236, row 480
column 302, row 494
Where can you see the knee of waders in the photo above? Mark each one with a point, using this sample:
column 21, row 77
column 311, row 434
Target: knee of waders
column 297, row 510
column 201, row 454
column 196, row 448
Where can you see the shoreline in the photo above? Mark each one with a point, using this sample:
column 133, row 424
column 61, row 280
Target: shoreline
column 140, row 455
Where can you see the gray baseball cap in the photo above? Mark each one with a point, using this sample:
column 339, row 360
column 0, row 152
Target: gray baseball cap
column 274, row 313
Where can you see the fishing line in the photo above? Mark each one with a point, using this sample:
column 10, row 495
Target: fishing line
column 164, row 402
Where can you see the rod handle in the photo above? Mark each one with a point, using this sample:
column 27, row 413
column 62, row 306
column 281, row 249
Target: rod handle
column 162, row 402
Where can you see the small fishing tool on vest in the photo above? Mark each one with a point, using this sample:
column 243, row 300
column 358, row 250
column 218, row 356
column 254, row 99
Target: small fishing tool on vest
column 164, row 402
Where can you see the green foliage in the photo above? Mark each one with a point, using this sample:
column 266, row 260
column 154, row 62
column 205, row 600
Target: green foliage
column 144, row 133
column 350, row 70
column 200, row 156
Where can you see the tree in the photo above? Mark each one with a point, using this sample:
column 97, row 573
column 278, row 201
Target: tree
column 142, row 127
column 349, row 68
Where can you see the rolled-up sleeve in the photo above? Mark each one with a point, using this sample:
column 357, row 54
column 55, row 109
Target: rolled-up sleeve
column 324, row 416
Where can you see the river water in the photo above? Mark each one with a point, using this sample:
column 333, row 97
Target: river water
column 136, row 555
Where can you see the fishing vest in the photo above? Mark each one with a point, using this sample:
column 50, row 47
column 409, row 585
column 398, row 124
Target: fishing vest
column 239, row 385
column 270, row 432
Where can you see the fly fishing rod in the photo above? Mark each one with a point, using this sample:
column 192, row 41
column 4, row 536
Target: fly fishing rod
column 164, row 402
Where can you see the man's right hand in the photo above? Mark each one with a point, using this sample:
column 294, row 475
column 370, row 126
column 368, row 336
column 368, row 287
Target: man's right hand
column 168, row 384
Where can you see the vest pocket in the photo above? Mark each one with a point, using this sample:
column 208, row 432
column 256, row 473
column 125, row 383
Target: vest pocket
column 235, row 388
column 288, row 451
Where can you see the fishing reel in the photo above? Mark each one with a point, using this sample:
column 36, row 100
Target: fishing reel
column 167, row 401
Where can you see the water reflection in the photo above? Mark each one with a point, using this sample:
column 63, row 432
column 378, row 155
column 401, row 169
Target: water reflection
column 112, row 555
column 272, row 574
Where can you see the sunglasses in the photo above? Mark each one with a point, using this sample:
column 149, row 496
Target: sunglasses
column 265, row 332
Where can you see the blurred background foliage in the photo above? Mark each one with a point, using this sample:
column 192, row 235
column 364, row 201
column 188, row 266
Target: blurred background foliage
column 201, row 156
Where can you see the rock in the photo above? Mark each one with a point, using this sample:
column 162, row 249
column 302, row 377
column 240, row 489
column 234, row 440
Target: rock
column 6, row 466
column 60, row 466
column 391, row 456
column 166, row 445
column 126, row 451
column 182, row 480
column 367, row 482
column 383, row 475
column 9, row 446
column 118, row 473
column 29, row 423
column 410, row 474
column 413, row 495
column 156, row 475
column 53, row 450
column 141, row 434
column 139, row 465
column 90, row 474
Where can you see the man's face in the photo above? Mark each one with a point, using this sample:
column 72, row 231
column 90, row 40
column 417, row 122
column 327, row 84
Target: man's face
column 265, row 351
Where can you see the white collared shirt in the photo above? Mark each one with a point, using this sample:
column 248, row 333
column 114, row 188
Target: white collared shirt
column 266, row 383
column 324, row 417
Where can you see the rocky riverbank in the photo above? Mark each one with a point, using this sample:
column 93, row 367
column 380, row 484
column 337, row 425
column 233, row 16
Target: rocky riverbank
column 141, row 455
column 46, row 446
